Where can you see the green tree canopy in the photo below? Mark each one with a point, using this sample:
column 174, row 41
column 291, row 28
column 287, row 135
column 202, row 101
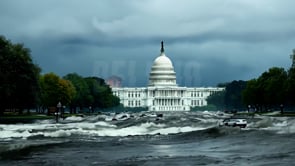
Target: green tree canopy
column 272, row 82
column 252, row 94
column 290, row 88
column 268, row 90
column 233, row 94
column 18, row 77
column 54, row 90
column 102, row 93
column 83, row 98
column 217, row 99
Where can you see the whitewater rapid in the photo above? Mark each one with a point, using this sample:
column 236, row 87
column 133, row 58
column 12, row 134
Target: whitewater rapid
column 170, row 123
column 149, row 138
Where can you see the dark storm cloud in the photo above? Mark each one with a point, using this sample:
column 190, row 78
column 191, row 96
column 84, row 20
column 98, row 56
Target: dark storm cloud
column 208, row 41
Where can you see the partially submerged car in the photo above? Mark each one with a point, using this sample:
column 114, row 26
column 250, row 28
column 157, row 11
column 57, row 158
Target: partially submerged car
column 234, row 122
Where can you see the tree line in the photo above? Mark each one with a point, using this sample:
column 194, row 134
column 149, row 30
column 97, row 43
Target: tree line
column 273, row 89
column 23, row 87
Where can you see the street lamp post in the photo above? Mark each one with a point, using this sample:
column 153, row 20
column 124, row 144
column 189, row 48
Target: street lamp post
column 90, row 109
column 282, row 108
column 57, row 111
column 63, row 112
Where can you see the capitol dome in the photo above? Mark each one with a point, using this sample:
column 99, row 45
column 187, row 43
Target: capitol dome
column 162, row 72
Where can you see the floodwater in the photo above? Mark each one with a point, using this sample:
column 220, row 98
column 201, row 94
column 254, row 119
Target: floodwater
column 145, row 138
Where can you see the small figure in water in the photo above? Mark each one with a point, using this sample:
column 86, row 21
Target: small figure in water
column 282, row 108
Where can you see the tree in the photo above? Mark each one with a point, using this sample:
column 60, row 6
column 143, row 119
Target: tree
column 290, row 88
column 49, row 89
column 102, row 93
column 54, row 90
column 18, row 77
column 233, row 94
column 83, row 97
column 67, row 91
column 217, row 99
column 251, row 93
column 272, row 83
column 268, row 90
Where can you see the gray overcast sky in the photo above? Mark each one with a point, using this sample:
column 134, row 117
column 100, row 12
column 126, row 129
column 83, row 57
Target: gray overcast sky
column 209, row 42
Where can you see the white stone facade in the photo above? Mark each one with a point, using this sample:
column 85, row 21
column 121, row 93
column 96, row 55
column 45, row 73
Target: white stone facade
column 162, row 93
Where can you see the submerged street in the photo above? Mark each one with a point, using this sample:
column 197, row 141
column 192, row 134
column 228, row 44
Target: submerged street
column 176, row 138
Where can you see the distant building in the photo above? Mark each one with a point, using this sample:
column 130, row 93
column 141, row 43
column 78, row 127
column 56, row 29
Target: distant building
column 114, row 81
column 162, row 93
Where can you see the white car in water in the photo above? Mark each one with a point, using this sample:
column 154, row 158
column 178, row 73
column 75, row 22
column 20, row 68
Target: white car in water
column 234, row 122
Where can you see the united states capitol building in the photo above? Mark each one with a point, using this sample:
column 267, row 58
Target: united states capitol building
column 162, row 92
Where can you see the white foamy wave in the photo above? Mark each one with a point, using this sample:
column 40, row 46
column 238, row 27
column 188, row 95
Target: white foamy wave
column 104, row 124
column 286, row 127
column 263, row 123
column 207, row 120
column 142, row 129
column 74, row 118
column 174, row 130
column 97, row 126
column 60, row 133
column 208, row 112
column 12, row 134
column 280, row 125
column 66, row 130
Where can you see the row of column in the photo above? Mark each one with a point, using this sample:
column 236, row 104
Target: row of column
column 170, row 108
column 167, row 102
column 172, row 93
